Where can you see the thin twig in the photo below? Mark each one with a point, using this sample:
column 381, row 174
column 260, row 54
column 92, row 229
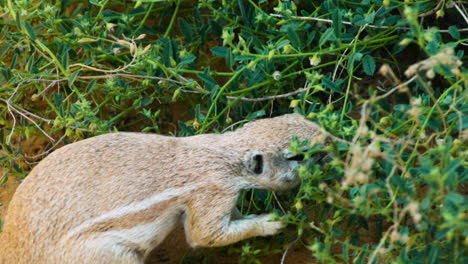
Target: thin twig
column 461, row 12
column 331, row 21
column 346, row 50
column 32, row 121
column 106, row 76
column 53, row 83
column 432, row 11
column 351, row 24
column 12, row 109
column 283, row 258
column 341, row 60
column 131, row 45
column 266, row 98
column 47, row 151
column 394, row 89
column 279, row 204
column 234, row 124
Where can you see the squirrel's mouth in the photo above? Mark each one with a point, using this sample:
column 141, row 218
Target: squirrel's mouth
column 290, row 180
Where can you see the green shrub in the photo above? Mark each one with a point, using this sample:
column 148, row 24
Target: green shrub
column 384, row 78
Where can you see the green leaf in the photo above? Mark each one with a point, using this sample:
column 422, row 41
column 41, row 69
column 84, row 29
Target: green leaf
column 345, row 251
column 368, row 64
column 30, row 30
column 331, row 85
column 370, row 17
column 14, row 59
column 256, row 115
column 91, row 86
column 229, row 58
column 185, row 130
column 337, row 23
column 207, row 79
column 356, row 56
column 453, row 30
column 432, row 258
column 219, row 51
column 186, row 29
column 245, row 12
column 311, row 37
column 144, row 102
column 188, row 59
column 455, row 198
column 65, row 58
column 358, row 20
column 96, row 3
column 294, row 38
column 72, row 77
column 328, row 34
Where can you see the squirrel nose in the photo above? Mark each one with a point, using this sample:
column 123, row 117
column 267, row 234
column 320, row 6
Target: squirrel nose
column 291, row 177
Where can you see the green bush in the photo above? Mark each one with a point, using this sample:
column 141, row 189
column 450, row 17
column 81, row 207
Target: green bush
column 384, row 78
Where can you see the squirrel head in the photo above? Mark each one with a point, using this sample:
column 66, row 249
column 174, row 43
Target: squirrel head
column 272, row 170
column 267, row 163
column 277, row 132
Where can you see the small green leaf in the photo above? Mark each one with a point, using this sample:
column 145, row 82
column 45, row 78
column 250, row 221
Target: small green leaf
column 245, row 12
column 188, row 59
column 209, row 82
column 219, row 51
column 229, row 58
column 455, row 198
column 453, row 30
column 256, row 115
column 370, row 17
column 72, row 78
column 345, row 251
column 356, row 56
column 331, row 85
column 327, row 35
column 294, row 38
column 369, row 65
column 337, row 23
column 432, row 258
column 186, row 29
column 30, row 30
column 97, row 3
column 185, row 130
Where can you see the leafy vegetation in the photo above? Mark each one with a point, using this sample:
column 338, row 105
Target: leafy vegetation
column 385, row 79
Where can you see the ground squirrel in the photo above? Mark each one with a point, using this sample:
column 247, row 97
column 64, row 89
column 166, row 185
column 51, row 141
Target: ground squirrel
column 113, row 198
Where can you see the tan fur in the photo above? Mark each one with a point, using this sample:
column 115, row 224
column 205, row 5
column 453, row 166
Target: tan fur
column 113, row 198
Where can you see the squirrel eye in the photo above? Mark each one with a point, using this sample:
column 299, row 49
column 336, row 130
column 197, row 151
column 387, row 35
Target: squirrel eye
column 257, row 164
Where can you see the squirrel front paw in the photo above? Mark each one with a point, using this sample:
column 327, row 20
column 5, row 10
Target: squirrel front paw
column 268, row 227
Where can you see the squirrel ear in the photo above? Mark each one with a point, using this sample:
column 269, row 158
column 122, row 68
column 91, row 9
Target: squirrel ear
column 254, row 162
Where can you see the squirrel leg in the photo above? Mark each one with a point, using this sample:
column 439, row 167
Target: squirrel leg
column 213, row 225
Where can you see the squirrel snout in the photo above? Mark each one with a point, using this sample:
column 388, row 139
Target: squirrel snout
column 291, row 178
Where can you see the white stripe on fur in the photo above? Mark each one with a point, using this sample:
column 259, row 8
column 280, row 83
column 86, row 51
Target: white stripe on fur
column 131, row 208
